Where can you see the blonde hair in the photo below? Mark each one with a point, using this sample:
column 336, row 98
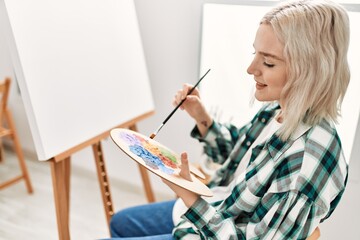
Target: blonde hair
column 315, row 34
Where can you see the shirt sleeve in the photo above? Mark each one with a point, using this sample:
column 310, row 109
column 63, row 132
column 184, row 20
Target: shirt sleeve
column 220, row 140
column 283, row 216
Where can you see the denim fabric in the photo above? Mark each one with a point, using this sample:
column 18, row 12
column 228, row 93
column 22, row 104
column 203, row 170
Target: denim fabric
column 151, row 221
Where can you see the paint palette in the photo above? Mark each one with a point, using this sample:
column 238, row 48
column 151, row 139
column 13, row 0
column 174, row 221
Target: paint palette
column 158, row 159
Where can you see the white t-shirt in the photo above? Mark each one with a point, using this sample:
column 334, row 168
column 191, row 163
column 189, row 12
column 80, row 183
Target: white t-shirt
column 222, row 192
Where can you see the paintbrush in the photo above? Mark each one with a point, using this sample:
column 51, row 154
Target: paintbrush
column 176, row 108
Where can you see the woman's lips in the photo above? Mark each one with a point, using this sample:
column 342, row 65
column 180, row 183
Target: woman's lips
column 260, row 86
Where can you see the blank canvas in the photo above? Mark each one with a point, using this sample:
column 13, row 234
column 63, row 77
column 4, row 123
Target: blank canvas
column 80, row 67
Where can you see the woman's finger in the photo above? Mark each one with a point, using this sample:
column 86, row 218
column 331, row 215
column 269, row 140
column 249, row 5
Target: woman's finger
column 185, row 169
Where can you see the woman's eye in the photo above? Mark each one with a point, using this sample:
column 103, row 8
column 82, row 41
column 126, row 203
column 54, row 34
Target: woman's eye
column 269, row 65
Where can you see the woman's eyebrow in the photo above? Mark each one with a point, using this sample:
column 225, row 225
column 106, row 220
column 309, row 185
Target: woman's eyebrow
column 265, row 54
column 271, row 55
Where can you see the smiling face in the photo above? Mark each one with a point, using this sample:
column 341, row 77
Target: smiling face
column 268, row 66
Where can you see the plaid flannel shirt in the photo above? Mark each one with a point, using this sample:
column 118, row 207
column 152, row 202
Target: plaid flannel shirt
column 288, row 189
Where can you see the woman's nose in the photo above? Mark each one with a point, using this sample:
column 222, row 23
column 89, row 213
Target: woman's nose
column 253, row 70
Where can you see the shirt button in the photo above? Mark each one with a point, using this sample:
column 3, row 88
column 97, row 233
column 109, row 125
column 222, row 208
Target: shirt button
column 215, row 219
column 248, row 143
column 263, row 120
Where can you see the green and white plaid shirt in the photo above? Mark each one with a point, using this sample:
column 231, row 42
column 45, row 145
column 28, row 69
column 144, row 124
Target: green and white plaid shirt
column 287, row 190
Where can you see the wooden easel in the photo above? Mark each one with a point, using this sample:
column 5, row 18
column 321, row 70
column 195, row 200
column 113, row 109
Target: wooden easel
column 60, row 171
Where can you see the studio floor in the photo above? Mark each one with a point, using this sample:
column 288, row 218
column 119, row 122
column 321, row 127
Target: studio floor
column 32, row 216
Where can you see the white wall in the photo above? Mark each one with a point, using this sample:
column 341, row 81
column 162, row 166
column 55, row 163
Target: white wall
column 171, row 33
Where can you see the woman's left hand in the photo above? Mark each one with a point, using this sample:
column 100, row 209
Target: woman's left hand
column 187, row 196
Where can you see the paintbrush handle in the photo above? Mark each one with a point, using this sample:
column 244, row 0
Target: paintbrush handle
column 176, row 108
column 182, row 101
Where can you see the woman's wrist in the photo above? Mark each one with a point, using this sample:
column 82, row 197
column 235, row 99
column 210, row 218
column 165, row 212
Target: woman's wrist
column 204, row 124
column 190, row 199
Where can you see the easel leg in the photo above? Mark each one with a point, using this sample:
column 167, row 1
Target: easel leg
column 18, row 151
column 103, row 181
column 60, row 172
column 145, row 177
column 67, row 171
column 146, row 182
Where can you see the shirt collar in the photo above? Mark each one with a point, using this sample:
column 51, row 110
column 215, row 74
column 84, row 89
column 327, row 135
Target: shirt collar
column 277, row 147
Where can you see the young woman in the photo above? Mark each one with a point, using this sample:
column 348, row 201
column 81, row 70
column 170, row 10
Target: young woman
column 284, row 172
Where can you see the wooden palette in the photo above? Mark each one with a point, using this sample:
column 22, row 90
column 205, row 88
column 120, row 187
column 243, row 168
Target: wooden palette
column 158, row 159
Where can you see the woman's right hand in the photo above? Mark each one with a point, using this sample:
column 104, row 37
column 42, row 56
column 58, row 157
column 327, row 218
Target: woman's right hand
column 194, row 107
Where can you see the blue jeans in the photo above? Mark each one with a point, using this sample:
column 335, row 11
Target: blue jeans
column 151, row 221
